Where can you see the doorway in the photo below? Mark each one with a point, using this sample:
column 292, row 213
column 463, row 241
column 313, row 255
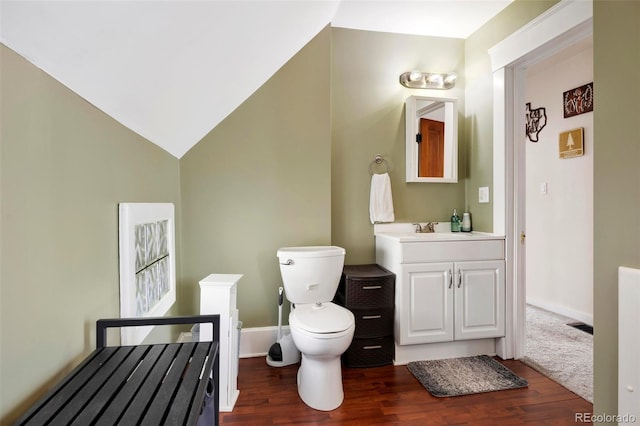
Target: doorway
column 560, row 27
column 559, row 189
column 559, row 220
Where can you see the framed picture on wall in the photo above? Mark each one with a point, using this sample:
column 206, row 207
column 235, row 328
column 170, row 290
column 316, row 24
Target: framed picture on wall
column 571, row 143
column 147, row 264
column 578, row 101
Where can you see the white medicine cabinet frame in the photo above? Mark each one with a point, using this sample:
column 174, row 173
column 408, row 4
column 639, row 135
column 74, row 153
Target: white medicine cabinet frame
column 439, row 109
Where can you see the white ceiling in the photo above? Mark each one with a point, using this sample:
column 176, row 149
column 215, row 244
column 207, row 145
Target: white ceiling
column 172, row 70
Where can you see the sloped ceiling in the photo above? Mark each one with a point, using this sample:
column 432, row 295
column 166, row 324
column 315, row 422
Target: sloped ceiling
column 172, row 70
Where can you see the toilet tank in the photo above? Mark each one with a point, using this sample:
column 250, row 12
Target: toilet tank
column 311, row 274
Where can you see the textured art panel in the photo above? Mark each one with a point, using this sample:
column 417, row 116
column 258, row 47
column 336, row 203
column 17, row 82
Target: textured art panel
column 147, row 264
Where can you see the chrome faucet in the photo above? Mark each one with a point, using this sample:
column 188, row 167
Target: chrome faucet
column 428, row 228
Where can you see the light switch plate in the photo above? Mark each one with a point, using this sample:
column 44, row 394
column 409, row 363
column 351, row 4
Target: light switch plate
column 483, row 194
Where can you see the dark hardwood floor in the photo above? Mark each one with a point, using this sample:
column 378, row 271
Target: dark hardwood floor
column 392, row 396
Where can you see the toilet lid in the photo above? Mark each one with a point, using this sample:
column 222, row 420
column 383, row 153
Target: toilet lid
column 327, row 318
column 310, row 251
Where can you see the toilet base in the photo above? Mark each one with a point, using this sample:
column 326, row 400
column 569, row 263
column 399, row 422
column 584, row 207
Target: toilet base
column 320, row 382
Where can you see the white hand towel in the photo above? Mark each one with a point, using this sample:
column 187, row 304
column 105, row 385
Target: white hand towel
column 381, row 201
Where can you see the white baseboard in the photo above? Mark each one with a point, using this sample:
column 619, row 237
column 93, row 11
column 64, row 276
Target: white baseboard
column 563, row 310
column 404, row 354
column 256, row 341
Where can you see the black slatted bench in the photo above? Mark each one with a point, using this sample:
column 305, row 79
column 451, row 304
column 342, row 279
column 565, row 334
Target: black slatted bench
column 158, row 384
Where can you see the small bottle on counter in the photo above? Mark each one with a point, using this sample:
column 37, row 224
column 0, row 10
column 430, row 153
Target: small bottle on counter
column 455, row 221
column 466, row 222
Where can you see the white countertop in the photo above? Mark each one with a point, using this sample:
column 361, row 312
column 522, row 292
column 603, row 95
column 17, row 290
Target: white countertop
column 405, row 232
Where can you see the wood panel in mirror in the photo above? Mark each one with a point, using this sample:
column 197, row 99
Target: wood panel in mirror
column 431, row 139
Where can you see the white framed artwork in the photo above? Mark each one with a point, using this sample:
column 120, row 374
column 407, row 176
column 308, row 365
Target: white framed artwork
column 147, row 264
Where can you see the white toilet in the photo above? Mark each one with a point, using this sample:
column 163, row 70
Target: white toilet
column 322, row 331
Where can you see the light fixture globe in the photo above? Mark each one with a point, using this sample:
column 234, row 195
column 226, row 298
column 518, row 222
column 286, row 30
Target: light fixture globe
column 421, row 80
column 435, row 79
column 451, row 78
column 415, row 76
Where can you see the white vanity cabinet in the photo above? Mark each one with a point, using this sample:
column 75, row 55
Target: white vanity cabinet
column 450, row 292
column 449, row 301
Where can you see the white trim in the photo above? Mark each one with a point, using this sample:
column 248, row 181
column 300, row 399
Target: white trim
column 552, row 24
column 499, row 152
column 561, row 26
column 516, row 210
column 503, row 125
column 563, row 310
column 256, row 341
column 405, row 354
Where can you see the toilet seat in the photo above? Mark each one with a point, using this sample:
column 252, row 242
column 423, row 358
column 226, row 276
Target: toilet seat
column 324, row 320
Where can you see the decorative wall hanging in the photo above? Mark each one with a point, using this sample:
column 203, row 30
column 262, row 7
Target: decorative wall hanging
column 578, row 101
column 570, row 143
column 536, row 119
column 147, row 264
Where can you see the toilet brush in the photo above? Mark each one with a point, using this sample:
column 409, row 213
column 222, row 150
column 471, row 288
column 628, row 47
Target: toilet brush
column 275, row 351
column 283, row 351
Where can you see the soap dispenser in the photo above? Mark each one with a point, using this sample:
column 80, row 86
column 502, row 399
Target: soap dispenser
column 466, row 222
column 455, row 221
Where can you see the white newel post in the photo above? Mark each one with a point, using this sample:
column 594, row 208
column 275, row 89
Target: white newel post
column 218, row 296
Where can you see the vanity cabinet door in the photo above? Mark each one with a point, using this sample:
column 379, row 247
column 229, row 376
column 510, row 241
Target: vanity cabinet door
column 426, row 303
column 479, row 299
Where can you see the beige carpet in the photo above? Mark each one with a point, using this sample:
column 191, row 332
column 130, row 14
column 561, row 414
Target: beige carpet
column 560, row 352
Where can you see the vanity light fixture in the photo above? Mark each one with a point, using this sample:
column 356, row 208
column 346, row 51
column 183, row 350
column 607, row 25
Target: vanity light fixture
column 422, row 80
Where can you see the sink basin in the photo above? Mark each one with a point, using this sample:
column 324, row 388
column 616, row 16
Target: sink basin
column 434, row 236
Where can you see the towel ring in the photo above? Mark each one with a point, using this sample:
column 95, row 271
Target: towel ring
column 379, row 159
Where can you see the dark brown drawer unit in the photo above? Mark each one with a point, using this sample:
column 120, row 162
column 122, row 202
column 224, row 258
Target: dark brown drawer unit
column 369, row 352
column 369, row 292
column 373, row 322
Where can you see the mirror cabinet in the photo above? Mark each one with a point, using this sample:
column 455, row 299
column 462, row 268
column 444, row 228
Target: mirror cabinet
column 431, row 139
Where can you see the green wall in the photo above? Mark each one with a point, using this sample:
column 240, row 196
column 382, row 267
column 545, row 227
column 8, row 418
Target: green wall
column 64, row 167
column 479, row 101
column 290, row 165
column 616, row 54
column 367, row 118
column 259, row 181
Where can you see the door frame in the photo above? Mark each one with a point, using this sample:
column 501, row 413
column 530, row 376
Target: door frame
column 565, row 24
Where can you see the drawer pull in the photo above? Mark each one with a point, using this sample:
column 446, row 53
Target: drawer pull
column 366, row 317
column 372, row 347
column 371, row 287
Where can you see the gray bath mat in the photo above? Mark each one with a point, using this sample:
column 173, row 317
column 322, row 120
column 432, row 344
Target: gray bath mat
column 464, row 376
